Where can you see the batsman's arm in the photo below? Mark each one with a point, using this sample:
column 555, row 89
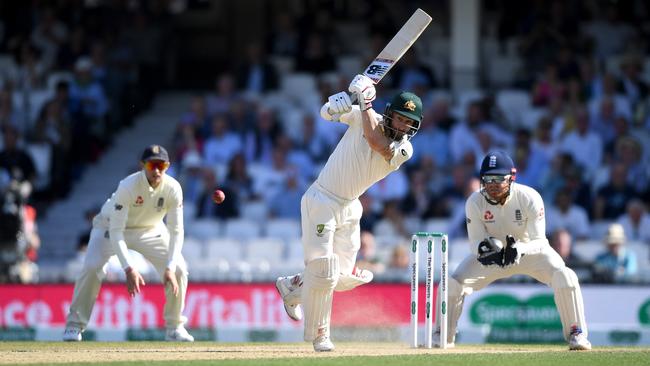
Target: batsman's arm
column 374, row 135
column 175, row 227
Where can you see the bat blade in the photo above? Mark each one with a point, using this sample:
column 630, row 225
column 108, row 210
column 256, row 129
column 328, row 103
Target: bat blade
column 398, row 46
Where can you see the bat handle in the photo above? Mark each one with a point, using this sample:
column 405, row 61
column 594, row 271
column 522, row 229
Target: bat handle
column 353, row 98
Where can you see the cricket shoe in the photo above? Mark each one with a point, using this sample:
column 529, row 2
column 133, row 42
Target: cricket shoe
column 72, row 334
column 322, row 343
column 178, row 334
column 289, row 289
column 435, row 340
column 578, row 341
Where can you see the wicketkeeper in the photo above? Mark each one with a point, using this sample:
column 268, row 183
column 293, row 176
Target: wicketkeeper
column 507, row 221
column 373, row 146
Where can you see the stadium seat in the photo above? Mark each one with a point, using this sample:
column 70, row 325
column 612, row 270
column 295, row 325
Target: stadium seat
column 242, row 229
column 588, row 250
column 203, row 229
column 599, row 229
column 270, row 250
column 284, row 229
column 192, row 250
column 296, row 85
column 41, row 154
column 254, row 210
column 502, row 70
column 530, row 117
column 223, row 259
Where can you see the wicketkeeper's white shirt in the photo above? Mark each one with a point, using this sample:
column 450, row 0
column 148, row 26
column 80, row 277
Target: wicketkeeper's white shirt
column 137, row 205
column 522, row 216
column 353, row 166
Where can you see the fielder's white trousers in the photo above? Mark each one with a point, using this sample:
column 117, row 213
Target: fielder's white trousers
column 153, row 244
column 330, row 225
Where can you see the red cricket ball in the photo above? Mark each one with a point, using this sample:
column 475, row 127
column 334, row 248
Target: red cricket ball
column 218, row 196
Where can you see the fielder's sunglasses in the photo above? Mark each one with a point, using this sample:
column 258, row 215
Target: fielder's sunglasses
column 160, row 165
column 494, row 178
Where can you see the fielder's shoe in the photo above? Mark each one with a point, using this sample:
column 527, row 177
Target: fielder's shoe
column 288, row 288
column 323, row 343
column 436, row 340
column 578, row 341
column 179, row 334
column 72, row 334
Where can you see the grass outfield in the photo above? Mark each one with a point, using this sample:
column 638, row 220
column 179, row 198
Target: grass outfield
column 301, row 354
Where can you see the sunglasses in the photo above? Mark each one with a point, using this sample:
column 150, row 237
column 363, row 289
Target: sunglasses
column 160, row 165
column 494, row 178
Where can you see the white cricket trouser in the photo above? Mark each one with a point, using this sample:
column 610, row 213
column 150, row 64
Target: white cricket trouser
column 153, row 244
column 330, row 225
column 543, row 265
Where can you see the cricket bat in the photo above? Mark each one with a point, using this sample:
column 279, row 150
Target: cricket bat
column 398, row 46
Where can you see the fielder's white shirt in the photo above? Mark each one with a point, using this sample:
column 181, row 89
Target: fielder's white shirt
column 354, row 166
column 137, row 205
column 522, row 216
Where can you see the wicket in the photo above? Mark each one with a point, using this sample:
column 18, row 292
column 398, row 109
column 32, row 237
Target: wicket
column 441, row 316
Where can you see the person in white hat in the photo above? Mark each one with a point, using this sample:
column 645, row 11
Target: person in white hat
column 615, row 264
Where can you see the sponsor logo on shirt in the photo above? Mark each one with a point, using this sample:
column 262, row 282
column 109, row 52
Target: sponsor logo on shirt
column 139, row 201
column 403, row 152
column 118, row 207
column 541, row 212
column 160, row 204
column 517, row 215
column 469, row 221
column 488, row 216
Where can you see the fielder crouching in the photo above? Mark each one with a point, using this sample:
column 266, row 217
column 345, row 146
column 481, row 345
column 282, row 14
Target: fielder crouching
column 507, row 212
column 372, row 147
column 133, row 219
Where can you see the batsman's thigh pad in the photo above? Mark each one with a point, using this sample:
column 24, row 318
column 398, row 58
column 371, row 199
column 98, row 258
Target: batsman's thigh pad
column 320, row 278
column 568, row 299
column 349, row 281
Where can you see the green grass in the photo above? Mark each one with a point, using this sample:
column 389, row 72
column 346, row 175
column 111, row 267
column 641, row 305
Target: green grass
column 299, row 354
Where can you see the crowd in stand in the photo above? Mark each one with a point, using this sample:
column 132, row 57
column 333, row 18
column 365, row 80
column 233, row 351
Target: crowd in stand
column 587, row 153
column 67, row 84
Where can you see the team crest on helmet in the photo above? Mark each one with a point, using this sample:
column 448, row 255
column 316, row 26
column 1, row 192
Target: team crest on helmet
column 410, row 105
column 156, row 149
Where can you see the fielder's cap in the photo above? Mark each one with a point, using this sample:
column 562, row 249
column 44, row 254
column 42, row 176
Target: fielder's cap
column 497, row 163
column 408, row 105
column 155, row 152
column 615, row 235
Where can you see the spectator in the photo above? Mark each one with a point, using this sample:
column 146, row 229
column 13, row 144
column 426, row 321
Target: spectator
column 399, row 258
column 286, row 202
column 611, row 199
column 615, row 265
column 13, row 241
column 636, row 221
column 257, row 75
column 367, row 255
column 418, row 198
column 583, row 144
column 457, row 227
column 562, row 242
column 564, row 214
column 222, row 144
column 225, row 94
column 315, row 57
column 15, row 160
column 370, row 215
column 205, row 206
column 258, row 142
column 632, row 84
column 410, row 74
column 239, row 180
column 431, row 140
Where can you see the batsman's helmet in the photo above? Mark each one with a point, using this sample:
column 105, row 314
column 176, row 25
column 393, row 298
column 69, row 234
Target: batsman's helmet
column 408, row 105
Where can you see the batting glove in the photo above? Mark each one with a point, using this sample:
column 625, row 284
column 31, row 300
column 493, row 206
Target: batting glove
column 339, row 103
column 364, row 88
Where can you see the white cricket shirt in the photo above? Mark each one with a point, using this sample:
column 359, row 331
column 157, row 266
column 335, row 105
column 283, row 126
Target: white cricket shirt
column 354, row 166
column 522, row 216
column 137, row 205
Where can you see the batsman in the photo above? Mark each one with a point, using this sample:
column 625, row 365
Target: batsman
column 503, row 211
column 373, row 146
